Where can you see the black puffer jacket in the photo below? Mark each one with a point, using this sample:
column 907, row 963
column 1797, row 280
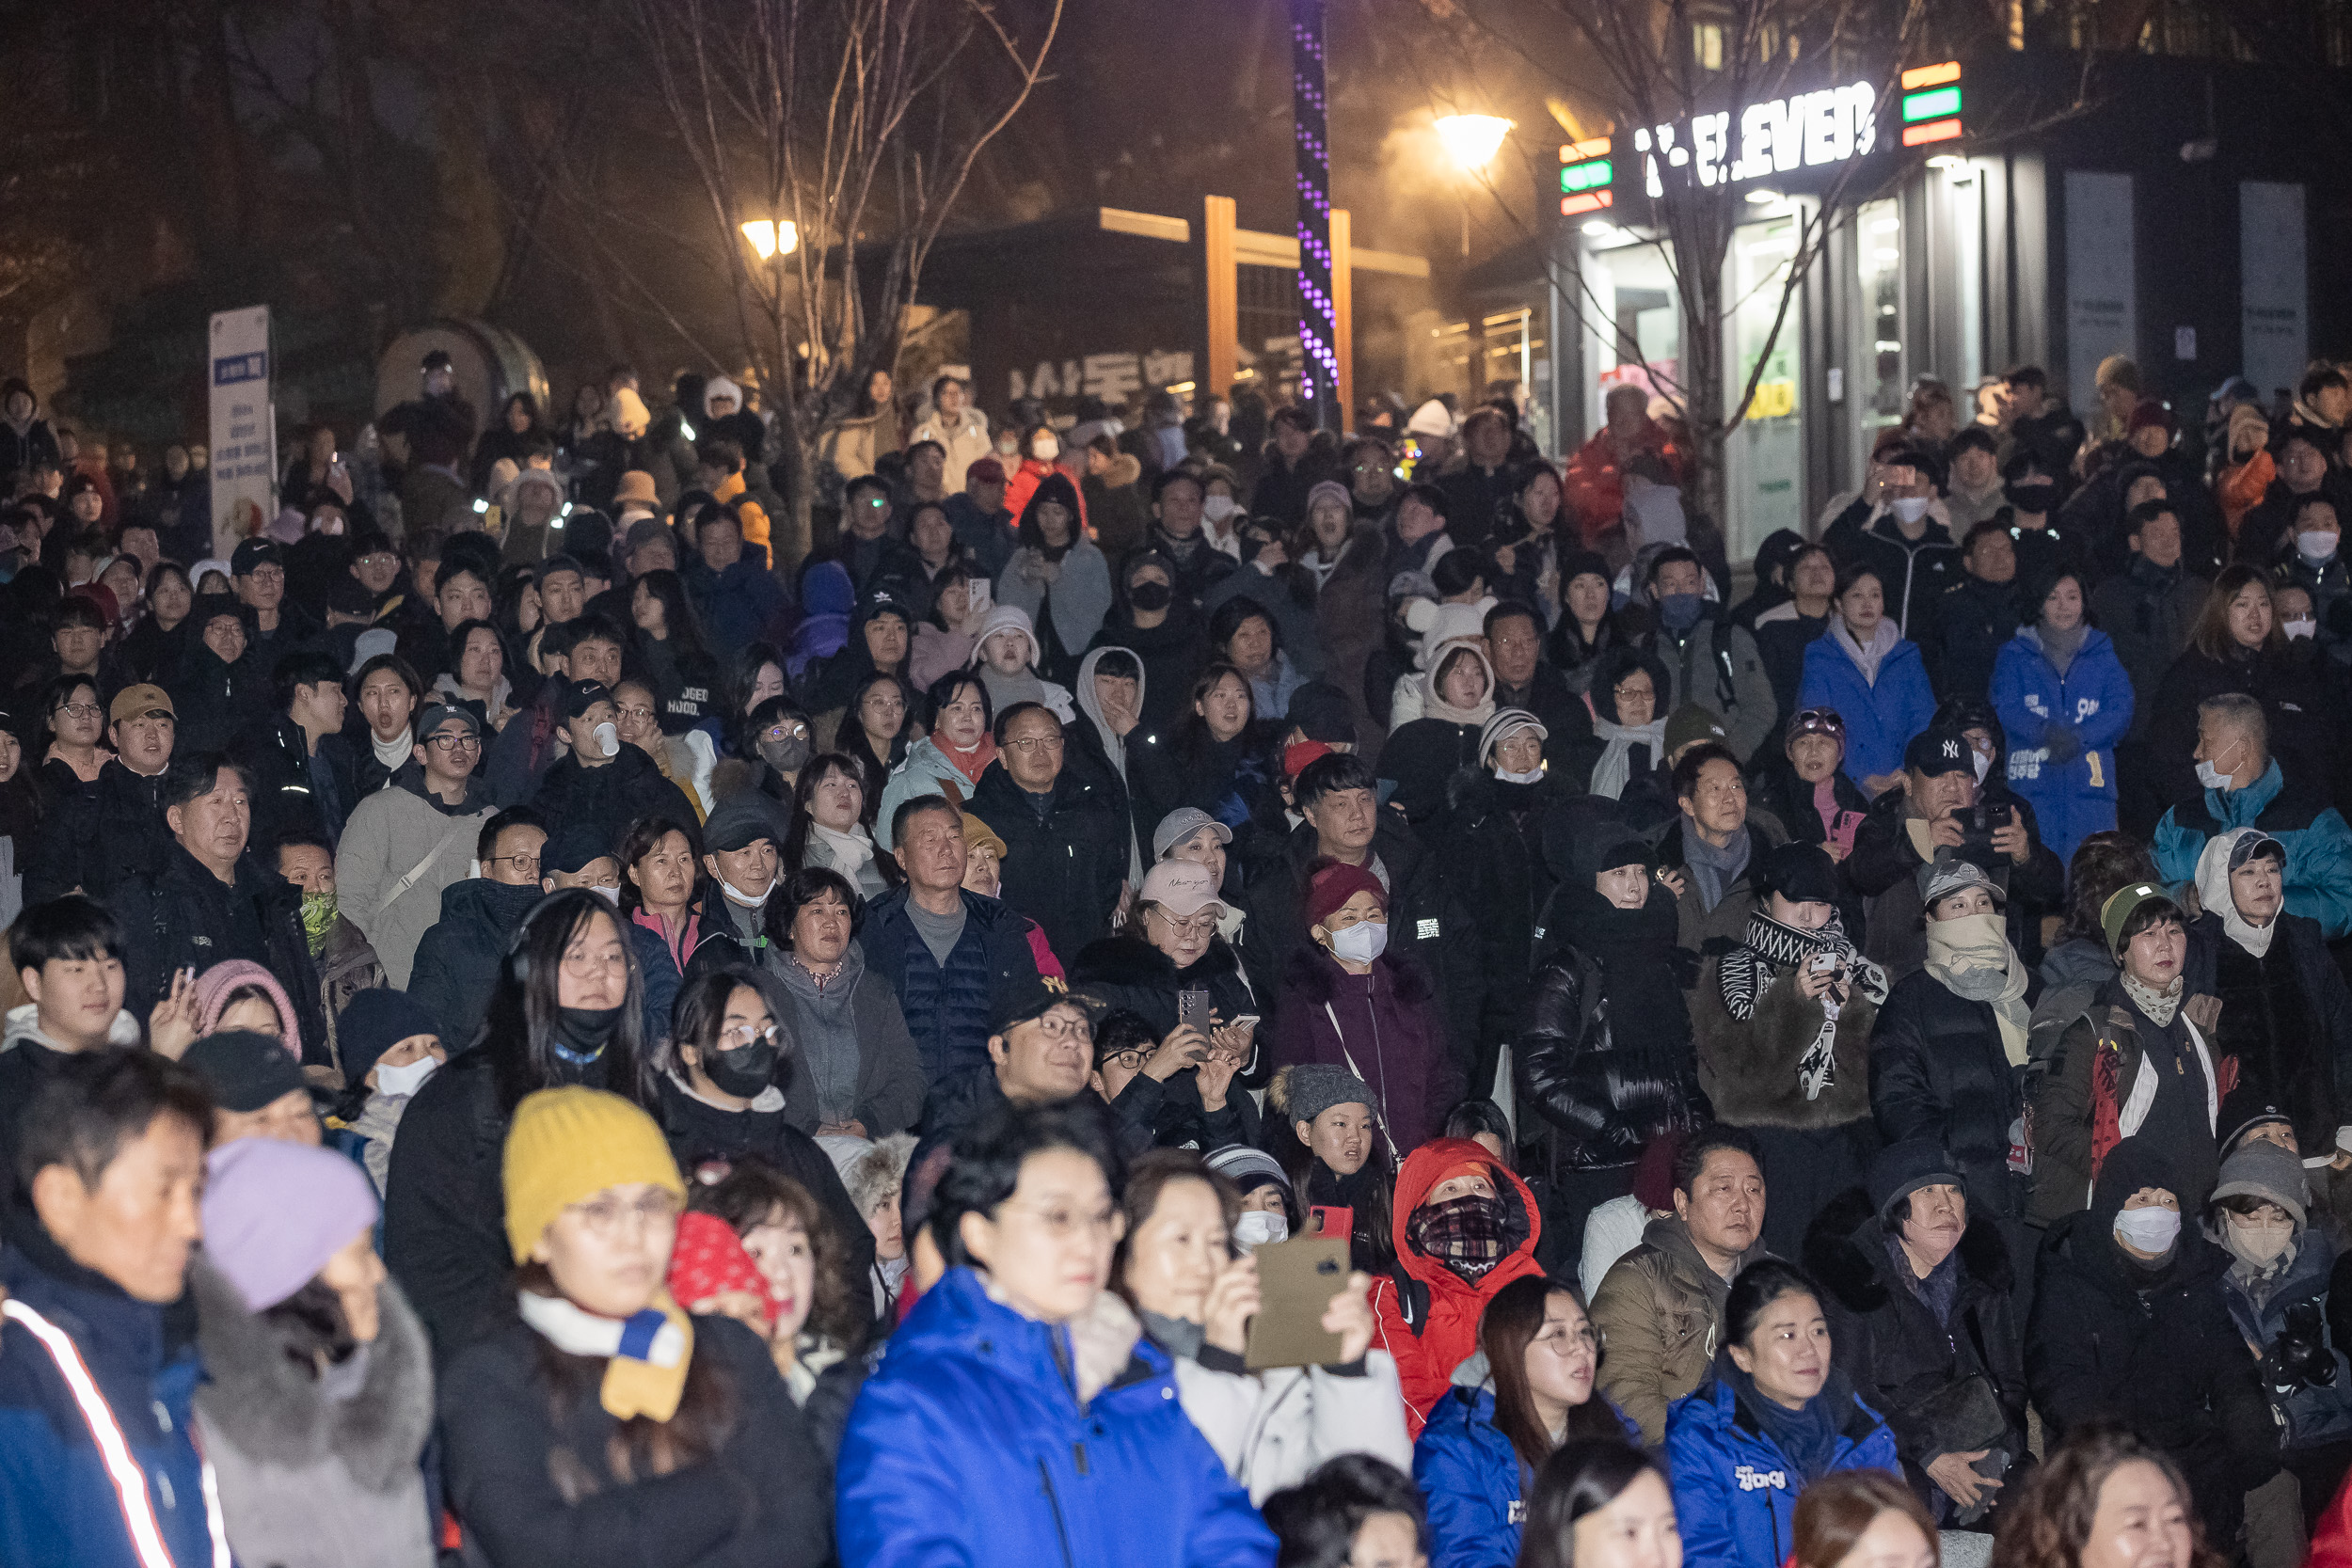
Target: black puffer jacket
column 1599, row 1102
column 458, row 957
column 1127, row 972
column 2153, row 1348
column 96, row 838
column 1888, row 1341
column 607, row 799
column 1493, row 840
column 1938, row 1070
column 1063, row 870
column 181, row 916
column 2286, row 1017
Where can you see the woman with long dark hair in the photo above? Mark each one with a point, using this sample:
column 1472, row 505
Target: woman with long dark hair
column 878, row 727
column 2237, row 646
column 1600, row 1504
column 568, row 1008
column 1528, row 1389
column 1219, row 759
column 573, row 1435
column 1322, row 1126
column 153, row 650
column 668, row 641
column 831, row 827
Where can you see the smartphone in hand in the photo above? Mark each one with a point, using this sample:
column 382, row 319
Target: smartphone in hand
column 1296, row 1280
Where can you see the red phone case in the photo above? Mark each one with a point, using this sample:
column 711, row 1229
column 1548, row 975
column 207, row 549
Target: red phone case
column 1331, row 1220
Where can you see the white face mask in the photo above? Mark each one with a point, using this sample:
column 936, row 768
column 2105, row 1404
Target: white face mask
column 2149, row 1230
column 1362, row 942
column 609, row 740
column 1532, row 776
column 744, row 898
column 405, row 1079
column 1259, row 1228
column 2316, row 545
column 1217, row 508
column 1045, row 448
column 2302, row 628
column 610, row 894
column 1983, row 764
column 1909, row 508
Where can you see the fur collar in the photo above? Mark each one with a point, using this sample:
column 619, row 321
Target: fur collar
column 1315, row 976
column 264, row 1405
column 1844, row 1251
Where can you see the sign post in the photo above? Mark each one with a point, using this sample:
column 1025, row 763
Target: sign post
column 244, row 428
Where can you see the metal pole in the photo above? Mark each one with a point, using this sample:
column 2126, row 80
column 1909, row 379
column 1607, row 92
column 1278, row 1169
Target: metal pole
column 1318, row 316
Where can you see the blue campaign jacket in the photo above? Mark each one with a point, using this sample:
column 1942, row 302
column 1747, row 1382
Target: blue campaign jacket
column 968, row 1446
column 57, row 1508
column 1882, row 717
column 2073, row 799
column 1473, row 1481
column 1735, row 1497
column 2313, row 833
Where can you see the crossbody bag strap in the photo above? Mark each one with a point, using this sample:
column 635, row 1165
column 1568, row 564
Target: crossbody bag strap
column 1349, row 1056
column 420, row 867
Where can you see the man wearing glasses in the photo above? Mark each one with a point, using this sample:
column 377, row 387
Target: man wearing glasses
column 274, row 629
column 1040, row 1050
column 1065, row 841
column 457, row 961
column 405, row 843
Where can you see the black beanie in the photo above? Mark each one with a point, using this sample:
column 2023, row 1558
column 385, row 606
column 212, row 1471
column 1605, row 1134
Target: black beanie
column 374, row 1022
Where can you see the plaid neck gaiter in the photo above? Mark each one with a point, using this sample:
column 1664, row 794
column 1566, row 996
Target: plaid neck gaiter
column 1463, row 1233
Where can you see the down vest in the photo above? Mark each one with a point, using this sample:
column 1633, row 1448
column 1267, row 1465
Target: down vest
column 975, row 1402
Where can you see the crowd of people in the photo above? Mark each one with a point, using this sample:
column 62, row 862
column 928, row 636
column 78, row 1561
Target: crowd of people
column 538, row 1033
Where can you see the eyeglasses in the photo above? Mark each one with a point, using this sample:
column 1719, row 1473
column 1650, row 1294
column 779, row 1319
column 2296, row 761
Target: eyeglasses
column 579, row 965
column 525, row 865
column 1631, row 688
column 1034, row 744
column 78, row 710
column 639, row 712
column 1130, row 1060
column 1200, row 925
column 1062, row 1222
column 459, row 741
column 268, row 573
column 1060, row 1026
column 786, row 731
column 607, row 1215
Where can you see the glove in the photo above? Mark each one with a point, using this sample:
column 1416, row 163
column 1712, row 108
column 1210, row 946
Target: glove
column 2062, row 742
column 2299, row 1356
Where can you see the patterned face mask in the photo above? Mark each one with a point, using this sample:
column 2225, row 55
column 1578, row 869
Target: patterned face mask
column 318, row 918
column 1463, row 1233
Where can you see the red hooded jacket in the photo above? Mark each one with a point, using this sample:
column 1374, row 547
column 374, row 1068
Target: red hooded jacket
column 1434, row 1299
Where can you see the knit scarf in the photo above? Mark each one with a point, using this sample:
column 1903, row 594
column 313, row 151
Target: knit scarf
column 1615, row 767
column 1972, row 957
column 1883, row 640
column 646, row 1355
column 1771, row 949
column 2059, row 647
column 850, row 853
column 1466, row 1234
column 1713, row 869
column 2158, row 1005
column 1806, row 1436
column 1648, row 1017
column 970, row 761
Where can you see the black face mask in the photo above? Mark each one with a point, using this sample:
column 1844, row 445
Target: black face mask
column 2031, row 497
column 789, row 755
column 1149, row 597
column 586, row 1031
column 746, row 1069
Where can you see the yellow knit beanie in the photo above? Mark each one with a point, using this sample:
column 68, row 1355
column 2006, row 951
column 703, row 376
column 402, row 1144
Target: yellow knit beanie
column 570, row 1144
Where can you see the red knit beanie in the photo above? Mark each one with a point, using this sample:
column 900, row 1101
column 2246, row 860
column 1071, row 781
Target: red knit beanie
column 1331, row 883
column 708, row 1260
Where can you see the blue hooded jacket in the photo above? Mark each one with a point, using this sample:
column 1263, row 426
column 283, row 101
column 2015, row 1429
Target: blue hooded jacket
column 58, row 1507
column 1881, row 715
column 969, row 1448
column 2094, row 699
column 2313, row 833
column 1474, row 1482
column 1735, row 1492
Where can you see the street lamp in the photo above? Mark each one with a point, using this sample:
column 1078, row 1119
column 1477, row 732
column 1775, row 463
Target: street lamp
column 773, row 239
column 1472, row 142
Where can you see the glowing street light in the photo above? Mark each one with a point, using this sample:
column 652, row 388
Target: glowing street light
column 1471, row 141
column 773, row 239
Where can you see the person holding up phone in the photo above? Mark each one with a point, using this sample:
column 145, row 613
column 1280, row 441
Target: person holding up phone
column 1338, row 1157
column 1177, row 1268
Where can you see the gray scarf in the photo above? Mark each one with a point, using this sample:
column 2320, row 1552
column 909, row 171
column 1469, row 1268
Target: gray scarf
column 2059, row 647
column 1711, row 869
column 824, row 1028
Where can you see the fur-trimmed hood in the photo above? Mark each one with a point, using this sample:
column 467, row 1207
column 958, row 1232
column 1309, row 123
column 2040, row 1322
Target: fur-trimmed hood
column 275, row 1415
column 1127, row 959
column 1315, row 975
column 1845, row 1250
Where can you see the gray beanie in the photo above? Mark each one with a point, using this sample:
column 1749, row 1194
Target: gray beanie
column 1314, row 1087
column 2261, row 1169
